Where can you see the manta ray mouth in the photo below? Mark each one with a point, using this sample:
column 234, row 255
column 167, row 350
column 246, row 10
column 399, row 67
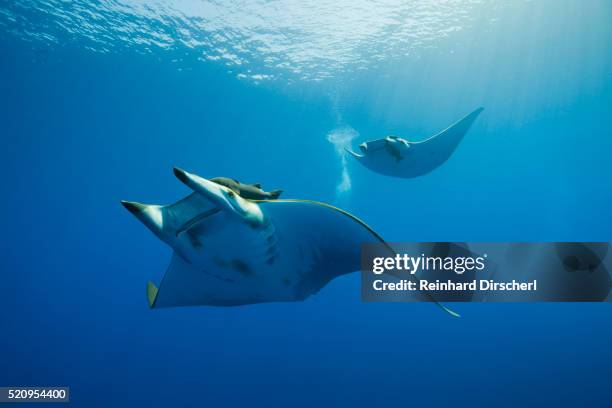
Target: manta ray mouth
column 191, row 222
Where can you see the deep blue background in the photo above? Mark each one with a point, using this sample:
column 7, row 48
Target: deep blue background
column 82, row 130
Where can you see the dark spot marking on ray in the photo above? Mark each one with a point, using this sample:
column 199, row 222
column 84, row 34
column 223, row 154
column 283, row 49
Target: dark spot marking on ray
column 241, row 267
column 238, row 265
column 193, row 240
column 571, row 263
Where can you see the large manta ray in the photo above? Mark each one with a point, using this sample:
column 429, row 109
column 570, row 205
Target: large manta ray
column 397, row 157
column 233, row 251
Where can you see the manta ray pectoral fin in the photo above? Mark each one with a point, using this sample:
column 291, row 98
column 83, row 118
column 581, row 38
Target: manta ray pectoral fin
column 343, row 229
column 150, row 215
column 151, row 293
column 352, row 153
column 453, row 134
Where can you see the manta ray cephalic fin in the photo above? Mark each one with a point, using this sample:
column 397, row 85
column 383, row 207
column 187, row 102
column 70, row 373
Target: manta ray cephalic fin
column 352, row 153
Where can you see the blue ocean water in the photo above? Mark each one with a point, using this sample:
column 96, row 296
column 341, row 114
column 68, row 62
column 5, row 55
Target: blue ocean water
column 98, row 101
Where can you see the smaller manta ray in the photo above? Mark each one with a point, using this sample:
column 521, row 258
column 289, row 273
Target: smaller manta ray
column 231, row 251
column 397, row 157
column 249, row 191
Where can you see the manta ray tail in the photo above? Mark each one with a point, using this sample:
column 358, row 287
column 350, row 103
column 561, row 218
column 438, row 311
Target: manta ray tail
column 448, row 310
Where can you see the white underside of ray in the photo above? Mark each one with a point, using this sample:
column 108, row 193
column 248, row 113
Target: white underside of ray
column 413, row 159
column 222, row 261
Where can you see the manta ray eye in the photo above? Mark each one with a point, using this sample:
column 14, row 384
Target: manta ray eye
column 231, row 194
